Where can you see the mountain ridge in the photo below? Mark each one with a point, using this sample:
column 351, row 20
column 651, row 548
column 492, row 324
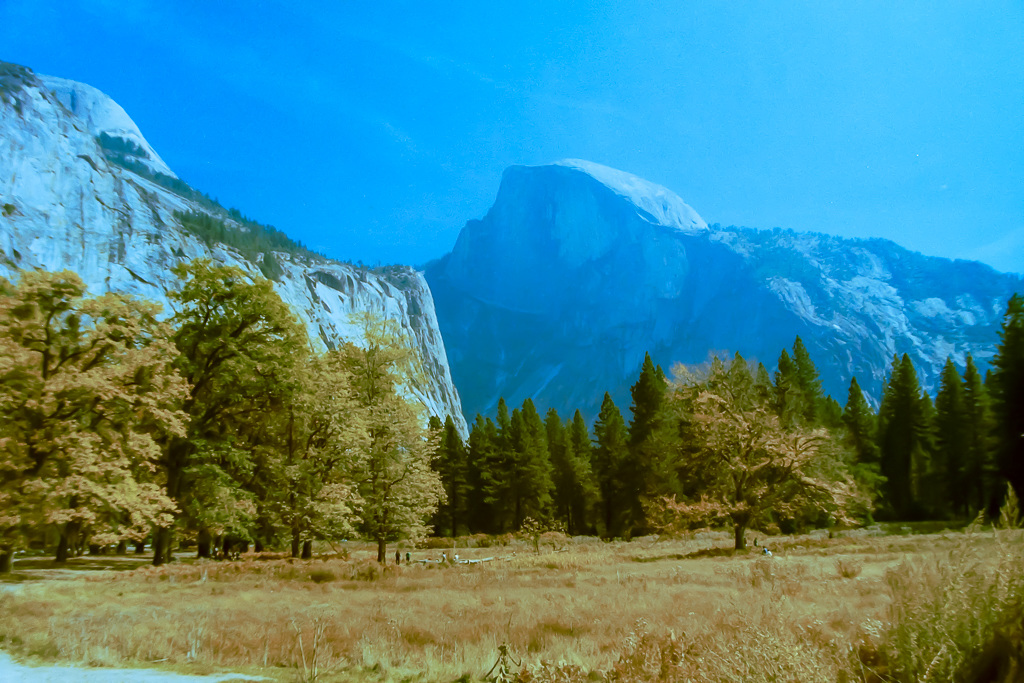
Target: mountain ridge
column 606, row 283
column 66, row 204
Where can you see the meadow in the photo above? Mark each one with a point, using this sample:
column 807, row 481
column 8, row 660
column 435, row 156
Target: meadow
column 861, row 606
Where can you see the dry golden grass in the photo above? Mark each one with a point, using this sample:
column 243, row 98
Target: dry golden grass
column 819, row 610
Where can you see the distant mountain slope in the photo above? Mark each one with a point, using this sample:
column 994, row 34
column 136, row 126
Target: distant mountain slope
column 578, row 270
column 80, row 188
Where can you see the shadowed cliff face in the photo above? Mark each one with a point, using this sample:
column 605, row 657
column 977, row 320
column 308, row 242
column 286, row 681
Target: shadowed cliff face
column 66, row 207
column 578, row 270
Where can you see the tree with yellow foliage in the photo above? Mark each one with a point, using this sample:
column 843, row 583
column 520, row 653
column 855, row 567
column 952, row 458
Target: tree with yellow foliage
column 746, row 463
column 87, row 391
column 397, row 487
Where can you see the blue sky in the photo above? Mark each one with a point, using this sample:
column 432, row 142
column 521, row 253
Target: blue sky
column 373, row 131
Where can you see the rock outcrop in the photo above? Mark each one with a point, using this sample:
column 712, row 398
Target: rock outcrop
column 577, row 270
column 82, row 189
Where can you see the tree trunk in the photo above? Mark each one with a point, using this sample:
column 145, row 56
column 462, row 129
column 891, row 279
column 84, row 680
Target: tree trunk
column 140, row 547
column 259, row 545
column 307, row 550
column 122, row 548
column 161, row 546
column 295, row 542
column 382, row 549
column 94, row 549
column 62, row 548
column 68, row 537
column 203, row 544
column 6, row 561
column 741, row 536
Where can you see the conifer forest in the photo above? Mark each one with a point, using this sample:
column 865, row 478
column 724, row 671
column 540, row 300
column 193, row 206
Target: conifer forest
column 222, row 426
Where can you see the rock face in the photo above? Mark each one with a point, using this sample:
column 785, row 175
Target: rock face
column 65, row 205
column 578, row 270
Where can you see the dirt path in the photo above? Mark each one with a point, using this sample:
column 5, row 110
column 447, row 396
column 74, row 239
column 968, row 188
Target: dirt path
column 13, row 672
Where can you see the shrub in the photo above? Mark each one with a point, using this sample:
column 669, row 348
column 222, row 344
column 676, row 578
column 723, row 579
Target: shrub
column 848, row 569
column 322, row 576
column 949, row 609
column 367, row 570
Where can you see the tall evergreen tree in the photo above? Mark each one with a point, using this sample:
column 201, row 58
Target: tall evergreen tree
column 586, row 501
column 809, row 384
column 502, row 485
column 563, row 475
column 788, row 397
column 1008, row 393
column 980, row 472
column 575, row 488
column 485, row 477
column 451, row 463
column 611, row 461
column 532, row 466
column 861, row 426
column 904, row 440
column 652, row 471
column 952, row 439
column 648, row 398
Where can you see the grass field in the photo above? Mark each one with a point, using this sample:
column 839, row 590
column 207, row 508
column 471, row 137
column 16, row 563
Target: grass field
column 854, row 608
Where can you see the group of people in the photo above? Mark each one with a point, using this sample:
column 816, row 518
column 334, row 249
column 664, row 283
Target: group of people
column 408, row 557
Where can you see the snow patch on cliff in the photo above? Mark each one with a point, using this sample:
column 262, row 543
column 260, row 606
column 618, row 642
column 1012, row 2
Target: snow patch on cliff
column 663, row 206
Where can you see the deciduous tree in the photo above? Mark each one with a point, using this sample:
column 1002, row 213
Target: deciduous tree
column 752, row 464
column 86, row 389
column 398, row 488
column 237, row 343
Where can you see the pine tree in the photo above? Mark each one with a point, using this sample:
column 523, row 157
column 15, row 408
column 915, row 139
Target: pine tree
column 861, row 425
column 904, row 440
column 587, row 498
column 611, row 462
column 485, row 479
column 563, row 474
column 502, row 486
column 653, row 469
column 451, row 463
column 808, row 382
column 531, row 473
column 1008, row 393
column 648, row 398
column 575, row 488
column 952, row 439
column 980, row 480
column 788, row 397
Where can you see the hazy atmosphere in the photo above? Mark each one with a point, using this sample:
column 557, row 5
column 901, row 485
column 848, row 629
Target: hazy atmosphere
column 373, row 133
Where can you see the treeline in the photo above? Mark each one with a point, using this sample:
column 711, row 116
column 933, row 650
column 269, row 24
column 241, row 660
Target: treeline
column 216, row 426
column 253, row 240
column 210, row 225
column 715, row 443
